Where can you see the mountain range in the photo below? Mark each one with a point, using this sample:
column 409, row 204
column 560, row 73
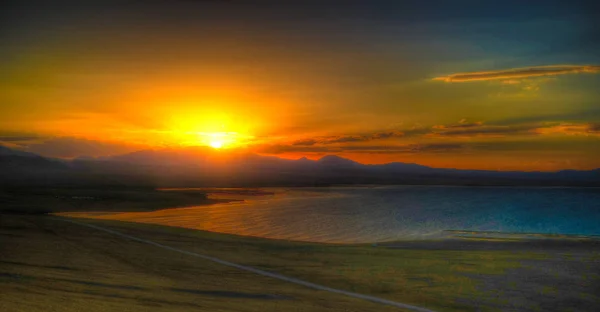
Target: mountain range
column 208, row 167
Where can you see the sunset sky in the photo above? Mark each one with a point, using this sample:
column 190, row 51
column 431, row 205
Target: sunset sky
column 462, row 84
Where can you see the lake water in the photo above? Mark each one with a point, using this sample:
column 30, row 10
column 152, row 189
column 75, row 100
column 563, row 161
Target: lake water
column 374, row 214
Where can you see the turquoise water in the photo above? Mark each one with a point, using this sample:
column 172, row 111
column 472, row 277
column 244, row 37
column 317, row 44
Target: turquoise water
column 370, row 214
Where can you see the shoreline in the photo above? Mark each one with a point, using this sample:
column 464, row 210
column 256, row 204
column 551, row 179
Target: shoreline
column 453, row 236
column 179, row 217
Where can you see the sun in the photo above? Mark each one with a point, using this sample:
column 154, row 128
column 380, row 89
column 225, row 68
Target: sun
column 221, row 140
column 216, row 144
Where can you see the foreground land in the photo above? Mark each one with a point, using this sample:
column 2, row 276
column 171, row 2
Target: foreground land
column 47, row 264
column 51, row 265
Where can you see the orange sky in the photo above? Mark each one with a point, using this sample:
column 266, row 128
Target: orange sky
column 110, row 80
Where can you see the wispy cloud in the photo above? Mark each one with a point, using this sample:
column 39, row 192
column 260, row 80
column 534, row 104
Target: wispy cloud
column 324, row 140
column 571, row 129
column 512, row 74
column 511, row 82
column 18, row 138
column 305, row 142
column 69, row 147
column 463, row 129
column 368, row 149
column 576, row 116
column 284, row 148
column 466, row 129
column 478, row 129
column 462, row 124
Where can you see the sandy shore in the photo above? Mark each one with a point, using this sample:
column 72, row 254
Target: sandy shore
column 50, row 265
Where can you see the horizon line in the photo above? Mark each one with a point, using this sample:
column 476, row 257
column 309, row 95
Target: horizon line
column 206, row 148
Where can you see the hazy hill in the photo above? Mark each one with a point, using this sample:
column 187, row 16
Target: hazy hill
column 209, row 167
column 22, row 167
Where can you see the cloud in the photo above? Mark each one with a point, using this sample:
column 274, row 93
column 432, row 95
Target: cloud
column 462, row 124
column 463, row 129
column 68, row 147
column 511, row 75
column 18, row 138
column 283, row 148
column 306, row 142
column 571, row 129
column 405, row 149
column 488, row 131
column 478, row 129
column 345, row 139
column 324, row 140
column 386, row 135
column 575, row 116
column 367, row 149
column 439, row 147
column 593, row 128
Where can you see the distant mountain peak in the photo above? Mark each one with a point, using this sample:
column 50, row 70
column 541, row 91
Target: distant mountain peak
column 336, row 160
column 331, row 158
column 305, row 160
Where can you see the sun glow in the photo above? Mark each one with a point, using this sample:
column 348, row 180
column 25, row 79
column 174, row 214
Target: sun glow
column 219, row 140
column 216, row 144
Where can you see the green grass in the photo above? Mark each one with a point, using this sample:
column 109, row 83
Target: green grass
column 439, row 279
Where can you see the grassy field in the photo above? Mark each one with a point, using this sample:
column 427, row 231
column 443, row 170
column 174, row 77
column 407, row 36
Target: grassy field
column 46, row 262
column 442, row 279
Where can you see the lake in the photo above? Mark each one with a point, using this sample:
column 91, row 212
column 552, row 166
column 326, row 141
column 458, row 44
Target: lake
column 387, row 213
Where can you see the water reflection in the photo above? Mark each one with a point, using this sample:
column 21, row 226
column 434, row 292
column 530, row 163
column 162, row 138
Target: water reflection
column 356, row 215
